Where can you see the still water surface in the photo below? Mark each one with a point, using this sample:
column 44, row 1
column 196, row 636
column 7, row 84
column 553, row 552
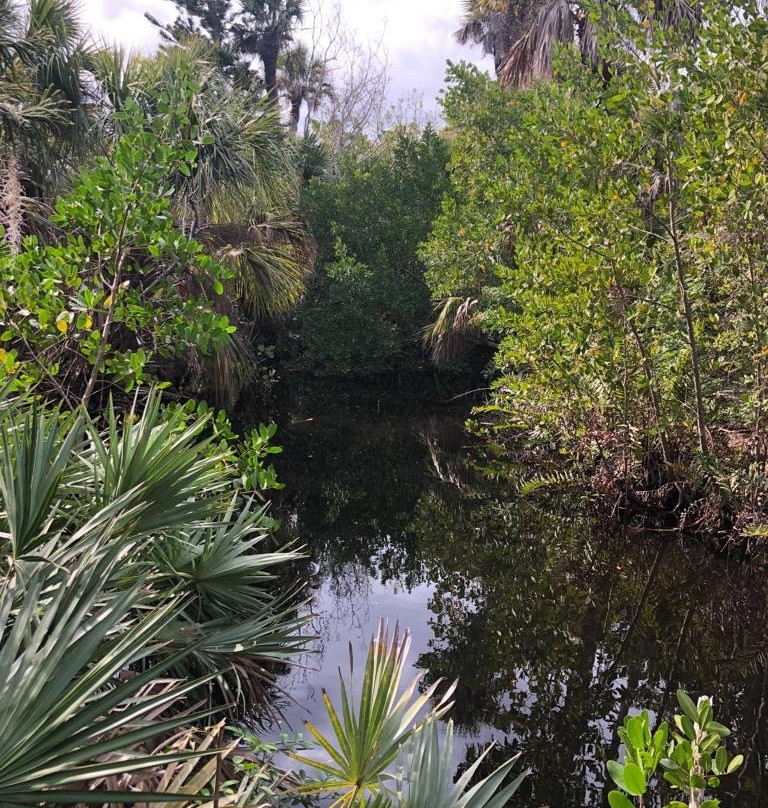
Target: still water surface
column 556, row 627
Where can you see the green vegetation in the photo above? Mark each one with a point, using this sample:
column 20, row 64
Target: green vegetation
column 368, row 300
column 693, row 760
column 596, row 215
column 135, row 599
column 606, row 230
column 369, row 738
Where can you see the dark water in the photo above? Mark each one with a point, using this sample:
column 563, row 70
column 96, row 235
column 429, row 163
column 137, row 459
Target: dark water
column 556, row 627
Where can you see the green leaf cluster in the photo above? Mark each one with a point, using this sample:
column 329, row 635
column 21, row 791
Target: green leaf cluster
column 693, row 759
column 123, row 287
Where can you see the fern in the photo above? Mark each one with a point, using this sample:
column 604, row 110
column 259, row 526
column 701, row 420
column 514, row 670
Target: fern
column 546, row 480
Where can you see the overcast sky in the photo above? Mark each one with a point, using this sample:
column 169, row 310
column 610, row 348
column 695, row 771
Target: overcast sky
column 417, row 34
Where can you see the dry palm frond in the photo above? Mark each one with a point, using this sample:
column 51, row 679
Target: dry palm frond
column 449, row 335
column 492, row 24
column 530, row 57
column 11, row 195
column 679, row 14
column 186, row 778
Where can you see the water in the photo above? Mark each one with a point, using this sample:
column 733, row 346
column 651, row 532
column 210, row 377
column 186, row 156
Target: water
column 556, row 627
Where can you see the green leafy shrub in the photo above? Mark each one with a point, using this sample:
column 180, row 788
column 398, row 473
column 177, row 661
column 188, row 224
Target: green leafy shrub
column 122, row 290
column 610, row 236
column 693, row 760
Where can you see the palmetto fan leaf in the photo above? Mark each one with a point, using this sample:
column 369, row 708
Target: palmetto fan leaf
column 34, row 453
column 272, row 261
column 58, row 472
column 159, row 455
column 369, row 733
column 425, row 777
column 123, row 562
column 218, row 566
column 239, row 626
column 63, row 644
column 116, row 71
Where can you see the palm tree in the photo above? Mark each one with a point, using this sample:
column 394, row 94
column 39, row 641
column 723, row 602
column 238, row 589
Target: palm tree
column 240, row 198
column 521, row 35
column 43, row 103
column 488, row 23
column 303, row 80
column 263, row 28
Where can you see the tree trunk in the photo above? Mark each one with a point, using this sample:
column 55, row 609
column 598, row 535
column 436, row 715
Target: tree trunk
column 269, row 59
column 701, row 425
column 10, row 203
column 295, row 114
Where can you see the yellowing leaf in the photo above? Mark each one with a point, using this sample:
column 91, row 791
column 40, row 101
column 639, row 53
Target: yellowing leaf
column 108, row 301
column 88, row 324
column 62, row 325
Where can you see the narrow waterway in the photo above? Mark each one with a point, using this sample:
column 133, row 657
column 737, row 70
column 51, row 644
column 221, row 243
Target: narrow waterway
column 555, row 626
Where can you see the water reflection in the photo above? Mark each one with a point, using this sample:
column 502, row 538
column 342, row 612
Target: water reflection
column 555, row 627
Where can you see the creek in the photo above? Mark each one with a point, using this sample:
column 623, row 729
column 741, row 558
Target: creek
column 557, row 624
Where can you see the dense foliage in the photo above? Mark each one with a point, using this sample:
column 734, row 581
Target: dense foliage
column 135, row 598
column 610, row 235
column 122, row 288
column 368, row 300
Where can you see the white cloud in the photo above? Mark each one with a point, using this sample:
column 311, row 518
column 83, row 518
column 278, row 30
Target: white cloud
column 417, row 34
column 123, row 21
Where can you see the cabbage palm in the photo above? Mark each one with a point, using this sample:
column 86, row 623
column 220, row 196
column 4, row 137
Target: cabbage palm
column 303, row 80
column 263, row 29
column 490, row 24
column 522, row 35
column 239, row 200
column 43, row 102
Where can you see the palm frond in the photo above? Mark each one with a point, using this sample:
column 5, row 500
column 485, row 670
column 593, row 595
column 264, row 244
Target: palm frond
column 272, row 261
column 368, row 734
column 116, row 71
column 530, row 57
column 425, row 776
column 60, row 666
column 34, row 453
column 452, row 330
column 158, row 455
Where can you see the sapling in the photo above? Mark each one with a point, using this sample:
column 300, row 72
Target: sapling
column 693, row 759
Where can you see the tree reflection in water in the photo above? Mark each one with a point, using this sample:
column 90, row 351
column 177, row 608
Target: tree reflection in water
column 555, row 626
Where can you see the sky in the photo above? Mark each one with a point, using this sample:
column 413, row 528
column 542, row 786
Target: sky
column 417, row 36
